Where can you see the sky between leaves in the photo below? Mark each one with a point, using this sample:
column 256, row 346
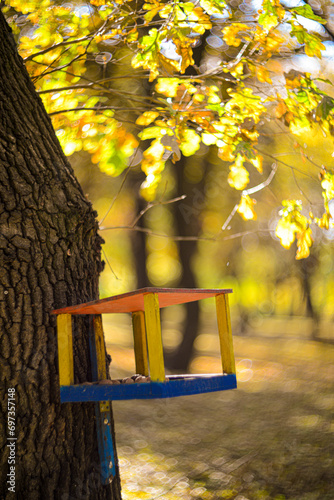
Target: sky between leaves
column 78, row 55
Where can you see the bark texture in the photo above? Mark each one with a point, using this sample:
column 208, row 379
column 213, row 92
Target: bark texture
column 49, row 258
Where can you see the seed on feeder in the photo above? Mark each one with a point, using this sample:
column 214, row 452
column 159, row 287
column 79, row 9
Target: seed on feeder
column 127, row 380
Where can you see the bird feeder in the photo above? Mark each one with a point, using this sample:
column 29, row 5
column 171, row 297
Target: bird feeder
column 151, row 381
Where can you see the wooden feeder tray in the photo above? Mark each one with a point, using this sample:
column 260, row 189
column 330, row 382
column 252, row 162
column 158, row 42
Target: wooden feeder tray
column 144, row 305
column 181, row 385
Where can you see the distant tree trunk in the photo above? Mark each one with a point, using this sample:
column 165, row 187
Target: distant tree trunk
column 186, row 219
column 138, row 238
column 307, row 267
column 49, row 258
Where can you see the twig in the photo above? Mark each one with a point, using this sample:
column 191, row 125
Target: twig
column 95, row 108
column 252, row 190
column 263, row 184
column 162, row 235
column 119, row 189
column 285, row 164
column 230, row 217
column 150, row 205
column 111, row 269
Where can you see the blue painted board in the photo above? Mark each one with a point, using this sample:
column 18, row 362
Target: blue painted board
column 174, row 386
column 103, row 418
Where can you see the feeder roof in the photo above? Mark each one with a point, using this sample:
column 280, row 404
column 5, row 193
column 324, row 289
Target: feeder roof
column 134, row 301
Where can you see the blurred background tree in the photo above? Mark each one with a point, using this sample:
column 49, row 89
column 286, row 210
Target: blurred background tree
column 204, row 100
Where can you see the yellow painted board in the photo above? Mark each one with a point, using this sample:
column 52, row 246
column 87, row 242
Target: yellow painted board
column 100, row 348
column 65, row 349
column 100, row 356
column 140, row 343
column 225, row 333
column 154, row 340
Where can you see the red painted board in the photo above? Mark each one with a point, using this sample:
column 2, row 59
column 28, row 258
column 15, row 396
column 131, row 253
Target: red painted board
column 134, row 301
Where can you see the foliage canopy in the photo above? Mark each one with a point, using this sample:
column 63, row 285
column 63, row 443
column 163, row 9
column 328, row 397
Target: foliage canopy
column 82, row 55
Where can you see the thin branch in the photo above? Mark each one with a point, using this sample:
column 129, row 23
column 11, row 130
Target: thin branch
column 59, row 68
column 91, row 86
column 96, row 108
column 55, row 46
column 120, row 187
column 245, row 233
column 285, row 164
column 111, row 269
column 300, row 189
column 230, row 217
column 162, row 235
column 263, row 184
column 252, row 190
column 151, row 205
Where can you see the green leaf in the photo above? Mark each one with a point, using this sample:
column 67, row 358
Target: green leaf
column 306, row 11
column 325, row 107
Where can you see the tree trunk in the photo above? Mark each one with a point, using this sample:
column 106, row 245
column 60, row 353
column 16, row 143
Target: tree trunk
column 49, row 258
column 138, row 238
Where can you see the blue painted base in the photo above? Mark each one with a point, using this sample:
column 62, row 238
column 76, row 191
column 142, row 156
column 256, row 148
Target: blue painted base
column 180, row 385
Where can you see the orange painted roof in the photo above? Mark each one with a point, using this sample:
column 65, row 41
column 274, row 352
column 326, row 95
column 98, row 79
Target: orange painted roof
column 134, row 301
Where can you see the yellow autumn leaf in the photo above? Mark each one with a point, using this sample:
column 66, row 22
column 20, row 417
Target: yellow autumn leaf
column 238, row 177
column 167, row 86
column 327, row 183
column 304, row 242
column 300, row 126
column 155, row 151
column 262, row 74
column 208, row 139
column 238, row 70
column 200, row 19
column 323, row 223
column 285, row 231
column 153, row 8
column 149, row 187
column 190, row 142
column 225, row 153
column 187, row 56
column 257, row 162
column 281, row 109
column 246, row 208
column 147, row 117
column 231, row 33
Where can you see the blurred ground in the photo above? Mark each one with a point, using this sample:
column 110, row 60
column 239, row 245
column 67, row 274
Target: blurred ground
column 272, row 438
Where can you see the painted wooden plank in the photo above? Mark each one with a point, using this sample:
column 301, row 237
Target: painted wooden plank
column 134, row 301
column 140, row 343
column 65, row 349
column 105, row 443
column 102, row 408
column 154, row 340
column 100, row 348
column 149, row 390
column 225, row 333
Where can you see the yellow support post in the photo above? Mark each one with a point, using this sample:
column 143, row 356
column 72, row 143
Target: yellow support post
column 140, row 344
column 154, row 340
column 225, row 333
column 65, row 349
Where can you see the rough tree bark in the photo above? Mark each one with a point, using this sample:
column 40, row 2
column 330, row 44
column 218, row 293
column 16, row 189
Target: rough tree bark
column 49, row 258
